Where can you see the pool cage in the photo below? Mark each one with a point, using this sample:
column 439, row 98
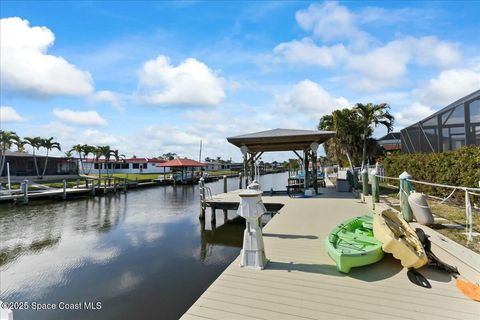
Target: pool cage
column 450, row 128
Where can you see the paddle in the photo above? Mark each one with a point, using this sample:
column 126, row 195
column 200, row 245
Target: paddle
column 469, row 289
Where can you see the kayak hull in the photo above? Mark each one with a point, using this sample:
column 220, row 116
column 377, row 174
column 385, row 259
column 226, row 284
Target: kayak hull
column 351, row 244
column 399, row 239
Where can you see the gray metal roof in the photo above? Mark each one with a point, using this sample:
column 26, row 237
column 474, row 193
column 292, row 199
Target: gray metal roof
column 280, row 139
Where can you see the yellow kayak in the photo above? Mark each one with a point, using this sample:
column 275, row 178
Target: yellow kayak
column 399, row 239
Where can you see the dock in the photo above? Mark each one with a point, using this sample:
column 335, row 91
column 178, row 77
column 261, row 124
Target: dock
column 300, row 281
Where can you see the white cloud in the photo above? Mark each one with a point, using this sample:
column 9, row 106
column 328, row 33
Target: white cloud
column 26, row 66
column 9, row 114
column 331, row 21
column 412, row 114
column 307, row 52
column 190, row 83
column 108, row 96
column 310, row 99
column 450, row 85
column 89, row 118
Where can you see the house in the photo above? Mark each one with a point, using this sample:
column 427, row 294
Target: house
column 450, row 128
column 130, row 165
column 22, row 164
column 390, row 141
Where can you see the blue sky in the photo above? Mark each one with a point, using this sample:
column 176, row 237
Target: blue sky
column 154, row 77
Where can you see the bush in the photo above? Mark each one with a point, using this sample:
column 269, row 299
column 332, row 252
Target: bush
column 460, row 167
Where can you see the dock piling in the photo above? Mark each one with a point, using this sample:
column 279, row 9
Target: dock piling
column 240, row 181
column 25, row 191
column 225, row 184
column 225, row 215
column 364, row 183
column 201, row 184
column 125, row 185
column 64, row 196
column 214, row 216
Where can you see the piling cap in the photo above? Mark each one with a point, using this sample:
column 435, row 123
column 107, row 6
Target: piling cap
column 405, row 175
column 250, row 193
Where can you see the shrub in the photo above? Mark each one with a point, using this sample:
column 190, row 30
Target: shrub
column 460, row 167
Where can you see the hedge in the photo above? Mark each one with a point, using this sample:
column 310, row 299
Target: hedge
column 460, row 167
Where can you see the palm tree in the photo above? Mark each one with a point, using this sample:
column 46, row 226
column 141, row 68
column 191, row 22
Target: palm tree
column 372, row 115
column 78, row 149
column 7, row 139
column 117, row 156
column 103, row 151
column 88, row 149
column 35, row 143
column 49, row 144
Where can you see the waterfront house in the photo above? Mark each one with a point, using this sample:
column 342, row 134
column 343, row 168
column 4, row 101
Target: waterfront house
column 130, row 165
column 22, row 164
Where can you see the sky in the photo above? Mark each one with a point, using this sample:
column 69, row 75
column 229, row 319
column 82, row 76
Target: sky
column 150, row 77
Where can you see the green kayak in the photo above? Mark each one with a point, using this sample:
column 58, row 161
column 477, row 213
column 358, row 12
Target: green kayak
column 351, row 244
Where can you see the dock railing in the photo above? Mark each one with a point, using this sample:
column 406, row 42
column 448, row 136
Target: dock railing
column 405, row 185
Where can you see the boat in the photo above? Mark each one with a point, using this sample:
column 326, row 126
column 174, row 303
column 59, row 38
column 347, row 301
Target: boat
column 399, row 239
column 351, row 244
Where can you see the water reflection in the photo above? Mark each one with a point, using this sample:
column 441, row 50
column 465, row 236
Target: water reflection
column 143, row 254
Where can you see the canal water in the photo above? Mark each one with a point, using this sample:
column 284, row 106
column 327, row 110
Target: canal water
column 140, row 255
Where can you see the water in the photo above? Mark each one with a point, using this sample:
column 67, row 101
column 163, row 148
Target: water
column 143, row 255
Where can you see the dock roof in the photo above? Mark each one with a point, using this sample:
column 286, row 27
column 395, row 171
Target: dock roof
column 182, row 163
column 280, row 139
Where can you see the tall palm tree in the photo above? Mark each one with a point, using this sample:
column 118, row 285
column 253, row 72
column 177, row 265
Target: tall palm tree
column 371, row 115
column 105, row 152
column 79, row 150
column 35, row 143
column 49, row 144
column 88, row 149
column 116, row 156
column 7, row 139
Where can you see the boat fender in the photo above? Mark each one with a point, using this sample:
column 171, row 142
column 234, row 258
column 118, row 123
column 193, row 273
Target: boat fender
column 420, row 208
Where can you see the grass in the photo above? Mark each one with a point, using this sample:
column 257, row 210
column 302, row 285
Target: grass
column 453, row 214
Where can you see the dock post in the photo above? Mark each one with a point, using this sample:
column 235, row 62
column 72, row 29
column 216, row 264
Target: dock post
column 25, row 191
column 225, row 215
column 364, row 183
column 225, row 184
column 375, row 188
column 114, row 185
column 405, row 189
column 136, row 181
column 86, row 183
column 64, row 196
column 240, row 180
column 78, row 183
column 201, row 185
column 93, row 187
column 214, row 216
column 125, row 185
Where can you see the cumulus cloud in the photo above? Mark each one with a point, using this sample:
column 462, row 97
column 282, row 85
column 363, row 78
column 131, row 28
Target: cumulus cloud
column 412, row 114
column 27, row 67
column 448, row 86
column 309, row 98
column 88, row 118
column 331, row 21
column 307, row 52
column 9, row 114
column 190, row 83
column 110, row 97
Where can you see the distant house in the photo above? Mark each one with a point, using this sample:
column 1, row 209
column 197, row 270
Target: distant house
column 22, row 164
column 390, row 142
column 131, row 165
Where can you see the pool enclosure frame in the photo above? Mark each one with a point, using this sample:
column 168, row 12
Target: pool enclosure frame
column 450, row 128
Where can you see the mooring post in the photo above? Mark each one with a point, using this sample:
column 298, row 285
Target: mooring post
column 125, row 185
column 64, row 189
column 201, row 185
column 93, row 187
column 375, row 188
column 214, row 216
column 25, row 191
column 240, row 181
column 225, row 184
column 225, row 215
column 78, row 183
column 364, row 183
column 86, row 183
column 136, row 181
column 115, row 185
column 405, row 189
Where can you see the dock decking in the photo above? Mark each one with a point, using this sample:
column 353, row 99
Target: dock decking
column 301, row 281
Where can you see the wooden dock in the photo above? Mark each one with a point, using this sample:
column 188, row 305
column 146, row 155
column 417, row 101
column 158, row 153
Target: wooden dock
column 301, row 281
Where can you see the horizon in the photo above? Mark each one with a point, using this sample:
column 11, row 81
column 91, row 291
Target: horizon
column 149, row 78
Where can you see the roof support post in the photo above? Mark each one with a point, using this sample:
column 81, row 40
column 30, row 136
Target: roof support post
column 314, row 172
column 306, row 179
